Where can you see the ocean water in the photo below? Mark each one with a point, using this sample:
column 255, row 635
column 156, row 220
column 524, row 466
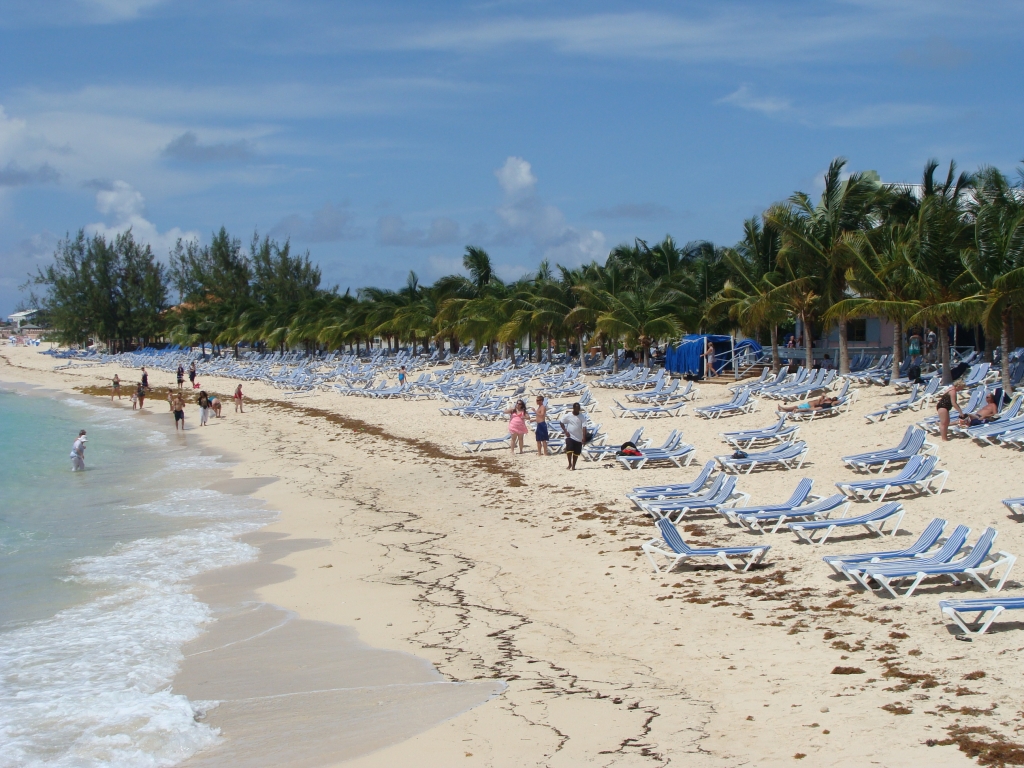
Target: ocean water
column 94, row 582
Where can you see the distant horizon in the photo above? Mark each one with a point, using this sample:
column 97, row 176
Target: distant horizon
column 386, row 139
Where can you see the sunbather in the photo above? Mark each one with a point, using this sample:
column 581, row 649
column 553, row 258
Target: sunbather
column 986, row 413
column 823, row 403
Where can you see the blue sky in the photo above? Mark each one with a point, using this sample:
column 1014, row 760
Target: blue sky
column 386, row 137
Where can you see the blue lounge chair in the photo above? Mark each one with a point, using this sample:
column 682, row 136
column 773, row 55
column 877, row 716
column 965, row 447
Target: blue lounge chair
column 816, row 510
column 487, row 444
column 722, row 492
column 1016, row 506
column 678, row 550
column 799, row 496
column 787, row 456
column 776, row 433
column 647, row 411
column 912, row 444
column 928, row 539
column 986, row 610
column 979, row 561
column 676, row 489
column 893, row 408
column 874, row 521
column 918, row 475
column 740, row 403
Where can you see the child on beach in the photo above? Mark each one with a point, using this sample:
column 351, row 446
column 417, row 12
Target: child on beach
column 204, row 408
column 237, row 397
column 541, row 416
column 517, row 425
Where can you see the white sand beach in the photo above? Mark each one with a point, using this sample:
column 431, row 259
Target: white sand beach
column 527, row 581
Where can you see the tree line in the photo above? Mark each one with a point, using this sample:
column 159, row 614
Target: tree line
column 947, row 250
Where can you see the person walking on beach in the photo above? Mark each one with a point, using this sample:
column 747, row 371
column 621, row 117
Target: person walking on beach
column 178, row 407
column 140, row 395
column 181, row 375
column 78, row 453
column 575, row 434
column 541, row 416
column 402, row 376
column 145, row 378
column 237, row 397
column 115, row 388
column 517, row 425
column 192, row 374
column 204, row 408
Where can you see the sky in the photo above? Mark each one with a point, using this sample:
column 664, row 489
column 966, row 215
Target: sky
column 386, row 137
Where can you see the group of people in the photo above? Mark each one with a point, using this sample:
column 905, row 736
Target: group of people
column 571, row 423
column 949, row 401
column 176, row 400
column 191, row 375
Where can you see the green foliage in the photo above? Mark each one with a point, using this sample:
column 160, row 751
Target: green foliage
column 114, row 291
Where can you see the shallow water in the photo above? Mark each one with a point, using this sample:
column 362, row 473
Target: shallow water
column 96, row 568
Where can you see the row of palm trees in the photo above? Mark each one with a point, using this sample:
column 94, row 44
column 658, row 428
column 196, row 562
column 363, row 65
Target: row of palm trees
column 949, row 250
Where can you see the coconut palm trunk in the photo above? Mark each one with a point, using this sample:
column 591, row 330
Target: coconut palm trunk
column 808, row 342
column 776, row 360
column 1006, row 317
column 897, row 348
column 844, row 346
column 943, row 334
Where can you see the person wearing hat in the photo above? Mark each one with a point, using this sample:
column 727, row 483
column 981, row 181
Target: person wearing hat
column 78, row 453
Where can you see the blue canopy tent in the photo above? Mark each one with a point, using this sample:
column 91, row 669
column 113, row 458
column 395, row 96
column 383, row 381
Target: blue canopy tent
column 686, row 358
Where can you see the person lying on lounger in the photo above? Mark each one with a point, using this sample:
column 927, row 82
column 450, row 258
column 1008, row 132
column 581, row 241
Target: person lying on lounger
column 822, row 403
column 987, row 412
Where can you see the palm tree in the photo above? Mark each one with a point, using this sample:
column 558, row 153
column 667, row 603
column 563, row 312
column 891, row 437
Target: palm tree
column 883, row 280
column 942, row 234
column 995, row 260
column 750, row 296
column 640, row 314
column 814, row 249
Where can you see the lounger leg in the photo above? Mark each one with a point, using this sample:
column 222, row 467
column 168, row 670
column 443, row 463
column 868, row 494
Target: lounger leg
column 725, row 559
column 1010, row 560
column 917, row 581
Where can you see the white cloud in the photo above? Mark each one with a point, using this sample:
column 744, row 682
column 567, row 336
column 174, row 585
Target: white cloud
column 525, row 217
column 516, row 177
column 126, row 208
column 744, row 98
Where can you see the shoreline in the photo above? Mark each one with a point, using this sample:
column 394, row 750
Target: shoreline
column 429, row 556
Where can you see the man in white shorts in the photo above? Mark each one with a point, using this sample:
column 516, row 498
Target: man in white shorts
column 78, row 453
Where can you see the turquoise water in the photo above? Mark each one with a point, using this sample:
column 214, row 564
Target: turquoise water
column 95, row 568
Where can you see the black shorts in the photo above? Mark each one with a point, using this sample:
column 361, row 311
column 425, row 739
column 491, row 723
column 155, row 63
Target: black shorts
column 179, row 415
column 573, row 446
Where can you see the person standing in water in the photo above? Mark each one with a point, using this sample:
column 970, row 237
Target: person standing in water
column 541, row 417
column 140, row 394
column 115, row 388
column 178, row 407
column 78, row 453
column 237, row 397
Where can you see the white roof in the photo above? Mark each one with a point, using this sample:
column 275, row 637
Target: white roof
column 22, row 315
